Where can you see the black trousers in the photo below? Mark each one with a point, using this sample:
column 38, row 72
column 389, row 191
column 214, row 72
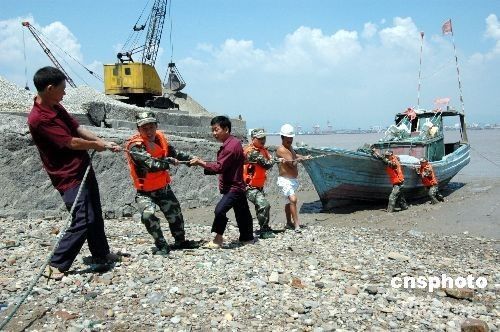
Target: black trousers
column 87, row 224
column 238, row 202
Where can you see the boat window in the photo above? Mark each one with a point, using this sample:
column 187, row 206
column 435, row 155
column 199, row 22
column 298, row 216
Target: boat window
column 430, row 126
column 414, row 125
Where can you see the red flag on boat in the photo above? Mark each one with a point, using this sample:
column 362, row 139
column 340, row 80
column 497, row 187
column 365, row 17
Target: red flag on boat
column 446, row 28
column 410, row 113
column 441, row 102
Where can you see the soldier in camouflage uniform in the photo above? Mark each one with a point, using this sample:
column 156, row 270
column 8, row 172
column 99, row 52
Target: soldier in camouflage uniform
column 429, row 180
column 149, row 155
column 257, row 162
column 393, row 169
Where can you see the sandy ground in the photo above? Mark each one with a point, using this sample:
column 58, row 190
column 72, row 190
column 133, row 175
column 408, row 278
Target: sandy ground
column 470, row 208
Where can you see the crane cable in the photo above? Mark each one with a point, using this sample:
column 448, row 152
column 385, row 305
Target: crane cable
column 26, row 87
column 48, row 41
column 135, row 33
column 170, row 35
column 170, row 40
column 73, row 58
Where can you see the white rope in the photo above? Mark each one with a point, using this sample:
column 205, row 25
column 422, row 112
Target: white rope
column 58, row 239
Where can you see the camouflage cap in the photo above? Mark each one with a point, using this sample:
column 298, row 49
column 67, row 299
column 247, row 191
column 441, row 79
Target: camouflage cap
column 423, row 160
column 143, row 118
column 388, row 152
column 258, row 133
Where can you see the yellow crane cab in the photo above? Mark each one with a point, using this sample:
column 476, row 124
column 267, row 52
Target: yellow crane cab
column 137, row 81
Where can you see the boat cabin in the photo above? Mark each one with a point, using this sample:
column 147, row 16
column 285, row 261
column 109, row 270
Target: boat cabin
column 420, row 134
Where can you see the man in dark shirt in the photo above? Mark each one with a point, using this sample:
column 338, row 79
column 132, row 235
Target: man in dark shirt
column 229, row 166
column 63, row 144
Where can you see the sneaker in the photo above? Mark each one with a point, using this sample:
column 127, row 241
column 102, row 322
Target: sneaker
column 113, row 257
column 187, row 244
column 162, row 252
column 269, row 234
column 109, row 258
column 298, row 230
column 244, row 243
column 289, row 226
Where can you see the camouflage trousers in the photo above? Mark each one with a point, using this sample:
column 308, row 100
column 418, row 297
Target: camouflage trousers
column 434, row 194
column 396, row 198
column 262, row 206
column 167, row 202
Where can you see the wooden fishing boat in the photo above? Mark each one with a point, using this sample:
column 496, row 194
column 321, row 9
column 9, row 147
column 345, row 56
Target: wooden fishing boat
column 341, row 176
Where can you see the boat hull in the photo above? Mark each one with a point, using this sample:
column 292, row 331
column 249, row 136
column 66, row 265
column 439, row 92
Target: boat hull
column 340, row 175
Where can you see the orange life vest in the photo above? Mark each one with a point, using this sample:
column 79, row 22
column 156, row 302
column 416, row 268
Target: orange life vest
column 395, row 174
column 430, row 180
column 150, row 181
column 254, row 174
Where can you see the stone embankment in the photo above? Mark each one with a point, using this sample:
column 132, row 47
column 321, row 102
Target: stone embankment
column 27, row 191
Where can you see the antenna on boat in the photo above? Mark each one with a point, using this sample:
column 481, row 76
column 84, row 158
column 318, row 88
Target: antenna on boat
column 420, row 68
column 448, row 29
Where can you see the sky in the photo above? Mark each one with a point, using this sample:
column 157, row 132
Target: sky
column 351, row 64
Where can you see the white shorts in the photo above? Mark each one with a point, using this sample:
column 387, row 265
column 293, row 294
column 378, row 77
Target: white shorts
column 288, row 186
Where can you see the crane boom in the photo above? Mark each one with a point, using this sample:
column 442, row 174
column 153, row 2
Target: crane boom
column 48, row 52
column 155, row 29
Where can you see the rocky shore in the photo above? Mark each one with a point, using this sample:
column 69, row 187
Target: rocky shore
column 325, row 279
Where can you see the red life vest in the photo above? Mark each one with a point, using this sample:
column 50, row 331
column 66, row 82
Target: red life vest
column 395, row 174
column 150, row 181
column 430, row 180
column 254, row 174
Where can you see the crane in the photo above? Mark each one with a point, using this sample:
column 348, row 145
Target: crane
column 139, row 81
column 48, row 52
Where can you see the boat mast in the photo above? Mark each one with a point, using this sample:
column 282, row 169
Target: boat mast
column 420, row 68
column 448, row 29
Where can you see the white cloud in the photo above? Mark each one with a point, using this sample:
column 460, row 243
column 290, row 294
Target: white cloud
column 369, row 30
column 404, row 34
column 11, row 41
column 493, row 31
column 61, row 38
column 239, row 54
column 301, row 50
column 17, row 42
column 492, row 27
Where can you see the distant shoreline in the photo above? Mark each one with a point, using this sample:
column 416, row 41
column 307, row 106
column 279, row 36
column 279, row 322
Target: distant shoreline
column 371, row 131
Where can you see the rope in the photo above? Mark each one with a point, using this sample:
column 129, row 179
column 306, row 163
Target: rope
column 58, row 239
column 483, row 156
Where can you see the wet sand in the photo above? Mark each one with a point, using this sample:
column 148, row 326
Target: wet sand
column 469, row 209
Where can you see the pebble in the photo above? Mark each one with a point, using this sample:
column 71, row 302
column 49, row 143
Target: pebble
column 337, row 286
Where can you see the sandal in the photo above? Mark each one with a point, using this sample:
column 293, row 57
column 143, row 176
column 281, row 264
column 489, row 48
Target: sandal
column 53, row 273
column 211, row 245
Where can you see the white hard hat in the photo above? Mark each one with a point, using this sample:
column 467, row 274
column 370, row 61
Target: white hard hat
column 287, row 130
